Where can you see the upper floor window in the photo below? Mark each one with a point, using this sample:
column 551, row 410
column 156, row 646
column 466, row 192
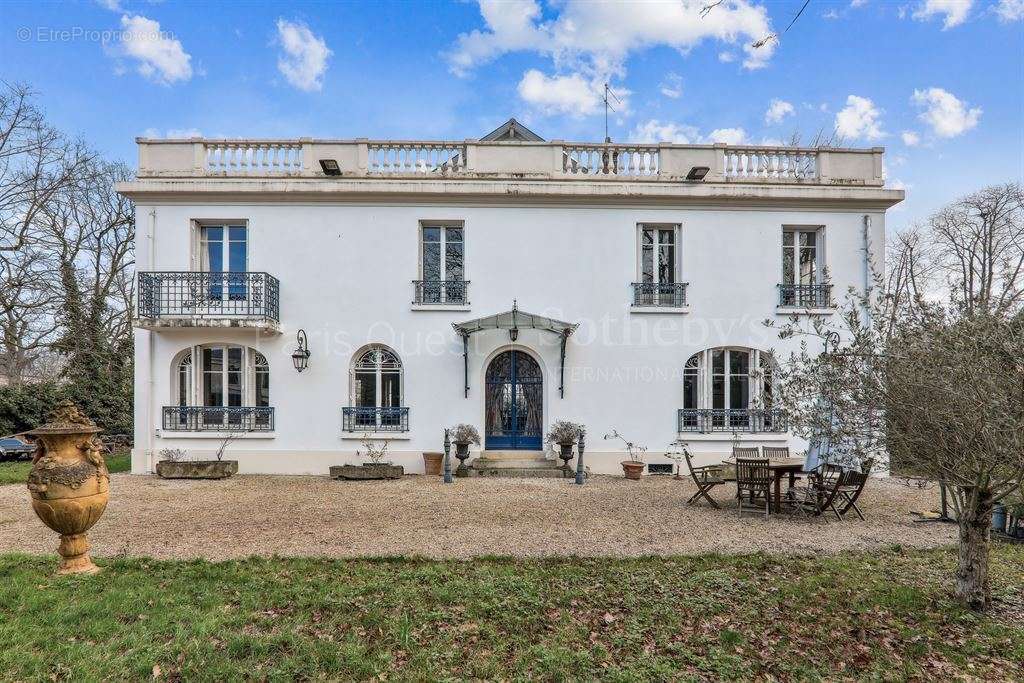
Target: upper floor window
column 442, row 265
column 223, row 248
column 803, row 268
column 659, row 247
column 658, row 266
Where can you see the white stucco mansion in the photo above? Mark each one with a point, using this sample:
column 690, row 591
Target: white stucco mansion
column 505, row 282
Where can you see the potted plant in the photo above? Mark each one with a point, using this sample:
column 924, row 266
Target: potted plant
column 373, row 465
column 634, row 467
column 176, row 465
column 565, row 434
column 462, row 436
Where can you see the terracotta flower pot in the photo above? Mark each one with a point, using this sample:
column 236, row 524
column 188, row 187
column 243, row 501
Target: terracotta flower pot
column 69, row 483
column 432, row 463
column 631, row 469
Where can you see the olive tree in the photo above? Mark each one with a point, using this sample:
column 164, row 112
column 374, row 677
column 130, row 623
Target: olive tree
column 937, row 391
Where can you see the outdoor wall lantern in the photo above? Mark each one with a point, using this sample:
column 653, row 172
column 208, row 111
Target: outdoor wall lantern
column 330, row 167
column 300, row 356
column 697, row 173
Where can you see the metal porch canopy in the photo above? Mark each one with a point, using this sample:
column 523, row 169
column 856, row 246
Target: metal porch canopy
column 513, row 321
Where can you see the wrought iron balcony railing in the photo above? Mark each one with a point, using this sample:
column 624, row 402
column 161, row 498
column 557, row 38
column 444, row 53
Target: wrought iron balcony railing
column 805, row 296
column 209, row 295
column 708, row 420
column 374, row 419
column 217, row 419
column 441, row 292
column 668, row 294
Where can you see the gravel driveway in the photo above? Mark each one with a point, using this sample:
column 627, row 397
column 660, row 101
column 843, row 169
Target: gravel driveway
column 316, row 516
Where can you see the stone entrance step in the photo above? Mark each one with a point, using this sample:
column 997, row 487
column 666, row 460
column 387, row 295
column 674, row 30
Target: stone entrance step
column 517, row 464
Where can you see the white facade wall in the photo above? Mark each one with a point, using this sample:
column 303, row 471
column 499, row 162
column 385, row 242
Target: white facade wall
column 346, row 270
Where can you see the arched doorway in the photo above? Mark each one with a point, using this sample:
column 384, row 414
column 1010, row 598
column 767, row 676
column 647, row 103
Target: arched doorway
column 514, row 402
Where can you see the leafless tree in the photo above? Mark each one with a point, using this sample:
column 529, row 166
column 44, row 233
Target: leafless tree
column 36, row 162
column 27, row 323
column 979, row 243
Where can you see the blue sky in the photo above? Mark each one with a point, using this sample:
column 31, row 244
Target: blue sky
column 939, row 83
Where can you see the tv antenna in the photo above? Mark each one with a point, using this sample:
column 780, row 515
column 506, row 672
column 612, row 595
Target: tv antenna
column 607, row 106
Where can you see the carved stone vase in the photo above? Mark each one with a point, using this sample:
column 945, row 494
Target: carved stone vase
column 69, row 483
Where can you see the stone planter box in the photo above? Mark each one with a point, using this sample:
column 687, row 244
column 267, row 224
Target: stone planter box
column 197, row 469
column 369, row 470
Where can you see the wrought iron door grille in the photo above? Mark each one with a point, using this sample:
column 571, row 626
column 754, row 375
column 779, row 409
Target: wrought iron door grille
column 708, row 420
column 668, row 294
column 209, row 295
column 373, row 419
column 215, row 419
column 440, row 292
column 805, row 296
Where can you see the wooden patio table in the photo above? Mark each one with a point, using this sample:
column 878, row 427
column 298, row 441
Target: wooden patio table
column 779, row 469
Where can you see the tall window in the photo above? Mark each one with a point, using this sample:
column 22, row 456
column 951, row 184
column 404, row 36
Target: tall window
column 443, row 257
column 229, row 376
column 658, row 254
column 724, row 381
column 378, row 379
column 800, row 257
column 224, row 253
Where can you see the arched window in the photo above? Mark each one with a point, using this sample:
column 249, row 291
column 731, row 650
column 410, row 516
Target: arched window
column 377, row 379
column 227, row 376
column 728, row 388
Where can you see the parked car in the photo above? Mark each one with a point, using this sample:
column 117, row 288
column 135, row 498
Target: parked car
column 15, row 449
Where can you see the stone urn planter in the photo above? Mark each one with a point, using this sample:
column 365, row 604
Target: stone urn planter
column 462, row 452
column 196, row 469
column 432, row 464
column 69, row 483
column 632, row 469
column 565, row 453
column 367, row 471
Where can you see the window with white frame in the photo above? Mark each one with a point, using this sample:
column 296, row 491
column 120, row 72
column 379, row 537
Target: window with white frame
column 442, row 264
column 227, row 376
column 224, row 256
column 803, row 267
column 658, row 267
column 377, row 392
column 728, row 388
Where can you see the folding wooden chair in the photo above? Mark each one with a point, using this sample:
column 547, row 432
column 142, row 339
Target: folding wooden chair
column 753, row 483
column 706, row 478
column 850, row 488
column 776, row 452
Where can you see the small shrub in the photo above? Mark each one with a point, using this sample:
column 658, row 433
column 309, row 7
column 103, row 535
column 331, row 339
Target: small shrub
column 465, row 434
column 564, row 431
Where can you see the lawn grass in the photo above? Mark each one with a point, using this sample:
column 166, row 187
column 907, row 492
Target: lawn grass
column 17, row 472
column 885, row 615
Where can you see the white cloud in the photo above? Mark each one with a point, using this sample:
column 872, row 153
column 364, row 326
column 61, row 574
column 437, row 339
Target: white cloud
column 1010, row 10
column 947, row 115
column 683, row 134
column 656, row 131
column 161, row 57
column 672, row 87
column 858, row 3
column 595, row 38
column 572, row 94
column 830, row 14
column 778, row 110
column 726, row 57
column 304, row 61
column 112, row 5
column 859, row 119
column 954, row 11
column 910, row 138
column 730, row 136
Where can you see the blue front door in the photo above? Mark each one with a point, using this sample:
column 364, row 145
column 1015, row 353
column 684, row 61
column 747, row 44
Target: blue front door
column 515, row 404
